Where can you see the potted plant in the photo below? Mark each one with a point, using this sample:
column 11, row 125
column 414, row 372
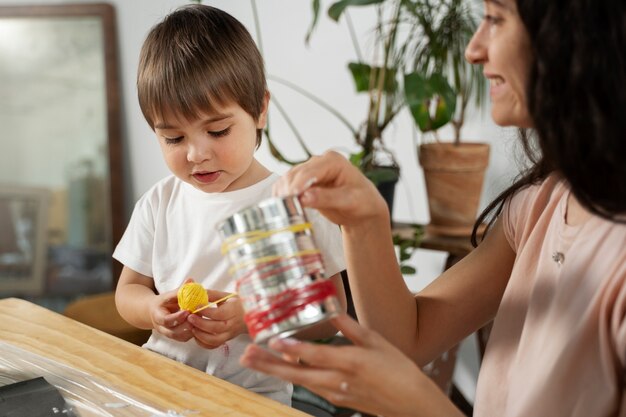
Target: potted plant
column 453, row 172
column 417, row 61
column 382, row 78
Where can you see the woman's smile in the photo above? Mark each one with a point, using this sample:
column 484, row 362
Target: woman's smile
column 497, row 85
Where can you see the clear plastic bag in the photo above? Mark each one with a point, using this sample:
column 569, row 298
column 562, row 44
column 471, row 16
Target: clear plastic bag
column 85, row 395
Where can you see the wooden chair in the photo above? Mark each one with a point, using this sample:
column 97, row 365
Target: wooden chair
column 99, row 311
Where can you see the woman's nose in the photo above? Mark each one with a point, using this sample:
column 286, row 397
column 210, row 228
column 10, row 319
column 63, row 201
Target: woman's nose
column 476, row 51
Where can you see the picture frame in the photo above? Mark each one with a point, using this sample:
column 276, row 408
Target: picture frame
column 23, row 237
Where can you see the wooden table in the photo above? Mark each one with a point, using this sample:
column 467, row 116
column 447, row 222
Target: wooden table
column 151, row 378
column 456, row 246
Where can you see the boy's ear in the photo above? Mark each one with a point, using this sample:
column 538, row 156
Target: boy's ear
column 263, row 116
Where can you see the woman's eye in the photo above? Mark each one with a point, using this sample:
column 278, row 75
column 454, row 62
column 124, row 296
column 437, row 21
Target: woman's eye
column 492, row 20
column 220, row 133
column 173, row 141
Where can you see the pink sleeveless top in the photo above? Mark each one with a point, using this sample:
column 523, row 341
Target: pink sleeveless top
column 558, row 345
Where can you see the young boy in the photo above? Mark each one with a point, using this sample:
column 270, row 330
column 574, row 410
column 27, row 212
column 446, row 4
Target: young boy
column 202, row 89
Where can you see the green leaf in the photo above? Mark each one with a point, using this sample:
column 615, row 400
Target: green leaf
column 356, row 158
column 361, row 74
column 336, row 10
column 418, row 98
column 383, row 174
column 407, row 270
column 447, row 100
column 421, row 115
column 315, row 4
column 420, row 91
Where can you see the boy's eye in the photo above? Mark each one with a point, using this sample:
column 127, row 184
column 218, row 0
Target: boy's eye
column 220, row 133
column 172, row 141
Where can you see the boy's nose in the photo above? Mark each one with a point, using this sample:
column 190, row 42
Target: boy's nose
column 198, row 151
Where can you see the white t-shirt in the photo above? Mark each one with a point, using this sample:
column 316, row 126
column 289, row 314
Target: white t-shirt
column 172, row 235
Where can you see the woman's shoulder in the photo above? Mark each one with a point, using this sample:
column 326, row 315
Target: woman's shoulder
column 524, row 209
column 535, row 198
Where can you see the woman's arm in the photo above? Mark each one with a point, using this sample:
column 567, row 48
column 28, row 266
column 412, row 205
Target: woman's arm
column 457, row 303
column 464, row 298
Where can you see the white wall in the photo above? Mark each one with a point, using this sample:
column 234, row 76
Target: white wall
column 321, row 69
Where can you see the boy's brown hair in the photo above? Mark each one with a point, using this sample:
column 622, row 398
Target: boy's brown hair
column 199, row 55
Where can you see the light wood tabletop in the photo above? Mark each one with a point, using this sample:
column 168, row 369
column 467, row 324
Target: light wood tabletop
column 134, row 371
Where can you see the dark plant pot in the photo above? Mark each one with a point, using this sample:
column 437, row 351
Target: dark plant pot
column 385, row 178
column 388, row 189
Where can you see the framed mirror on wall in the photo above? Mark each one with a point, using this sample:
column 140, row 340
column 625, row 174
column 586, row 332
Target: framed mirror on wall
column 61, row 197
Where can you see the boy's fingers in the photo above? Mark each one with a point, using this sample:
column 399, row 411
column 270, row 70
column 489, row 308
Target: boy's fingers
column 209, row 326
column 175, row 319
column 227, row 310
column 228, row 305
column 215, row 295
column 182, row 332
column 209, row 340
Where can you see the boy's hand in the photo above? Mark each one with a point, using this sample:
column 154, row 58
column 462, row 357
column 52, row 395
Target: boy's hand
column 214, row 326
column 167, row 319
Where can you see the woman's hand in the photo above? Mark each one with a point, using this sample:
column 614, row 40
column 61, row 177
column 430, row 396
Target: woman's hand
column 332, row 185
column 214, row 326
column 371, row 376
column 167, row 319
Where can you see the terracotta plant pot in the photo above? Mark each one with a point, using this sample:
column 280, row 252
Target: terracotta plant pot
column 454, row 179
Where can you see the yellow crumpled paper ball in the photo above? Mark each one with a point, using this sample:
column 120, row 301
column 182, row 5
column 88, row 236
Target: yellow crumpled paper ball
column 192, row 296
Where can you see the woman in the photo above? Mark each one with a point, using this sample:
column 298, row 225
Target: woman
column 551, row 270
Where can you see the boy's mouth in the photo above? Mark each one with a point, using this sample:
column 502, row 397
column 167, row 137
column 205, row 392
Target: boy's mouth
column 206, row 177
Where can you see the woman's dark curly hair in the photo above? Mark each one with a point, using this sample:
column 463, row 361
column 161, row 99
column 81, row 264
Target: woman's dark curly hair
column 577, row 100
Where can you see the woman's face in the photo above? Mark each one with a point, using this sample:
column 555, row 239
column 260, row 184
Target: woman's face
column 501, row 45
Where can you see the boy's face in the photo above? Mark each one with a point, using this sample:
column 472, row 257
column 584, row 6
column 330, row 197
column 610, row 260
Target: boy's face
column 214, row 153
